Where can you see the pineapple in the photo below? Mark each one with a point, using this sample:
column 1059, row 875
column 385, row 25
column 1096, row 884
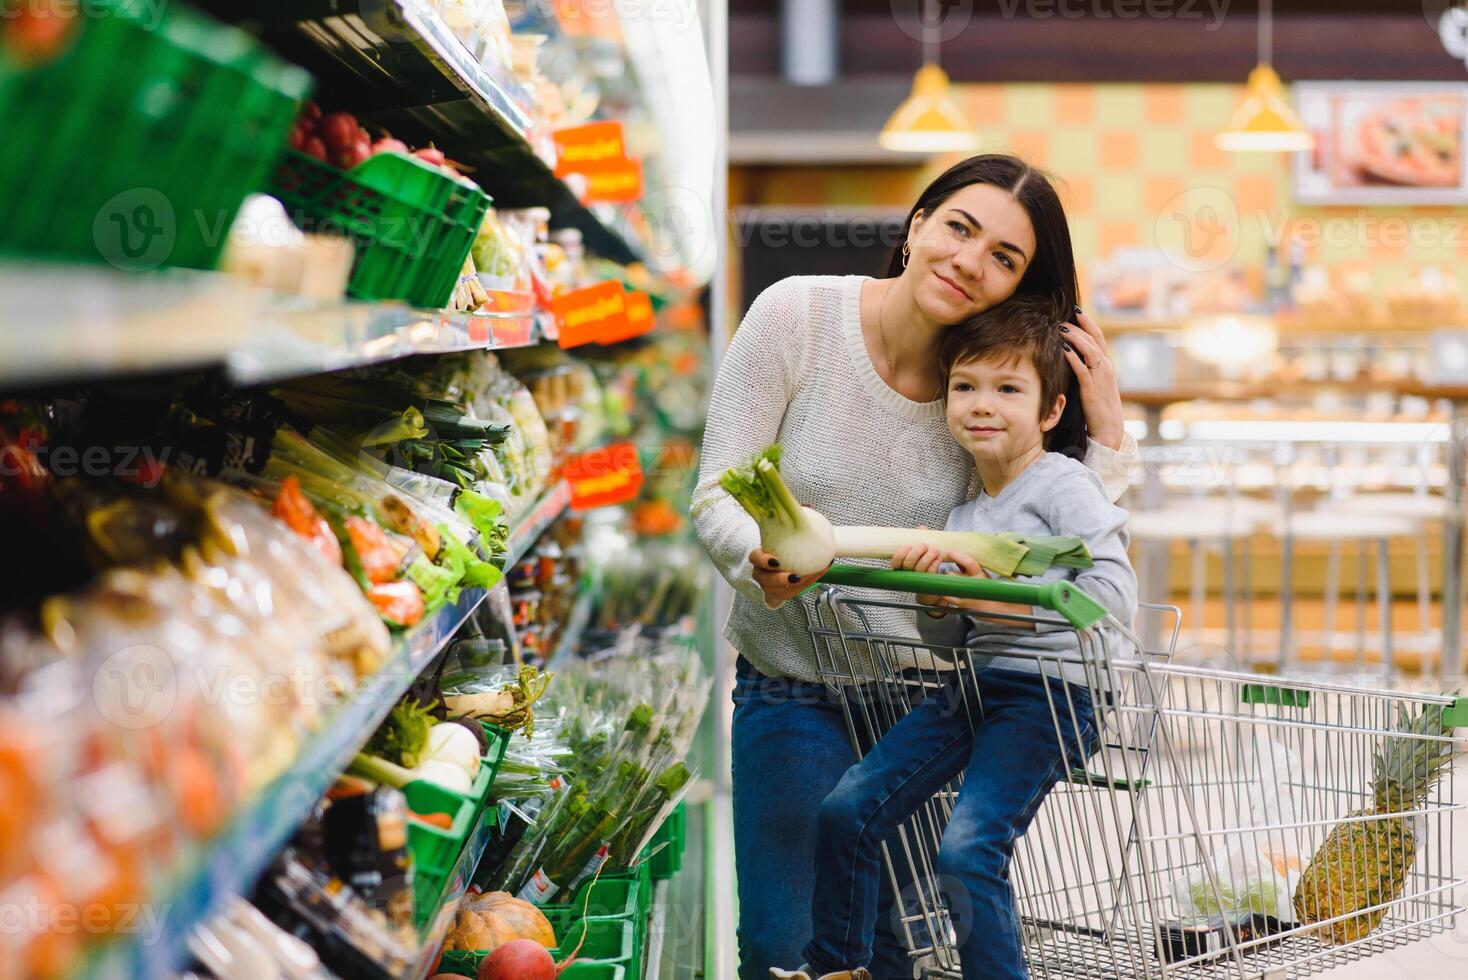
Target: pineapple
column 1366, row 862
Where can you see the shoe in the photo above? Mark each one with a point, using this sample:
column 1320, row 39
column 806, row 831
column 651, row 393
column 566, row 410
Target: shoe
column 860, row 973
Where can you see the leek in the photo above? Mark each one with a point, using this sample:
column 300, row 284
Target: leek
column 806, row 543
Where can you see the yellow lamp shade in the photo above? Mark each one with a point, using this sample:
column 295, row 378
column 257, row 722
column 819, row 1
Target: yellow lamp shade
column 1264, row 121
column 928, row 121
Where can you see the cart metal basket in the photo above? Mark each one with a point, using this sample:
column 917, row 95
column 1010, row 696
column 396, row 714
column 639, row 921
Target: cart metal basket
column 1180, row 849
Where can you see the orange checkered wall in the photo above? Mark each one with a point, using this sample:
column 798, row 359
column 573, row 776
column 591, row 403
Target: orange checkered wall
column 1127, row 157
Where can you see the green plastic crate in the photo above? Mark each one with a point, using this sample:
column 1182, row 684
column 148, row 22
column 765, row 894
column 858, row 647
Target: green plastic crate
column 668, row 845
column 608, row 942
column 141, row 139
column 412, row 224
column 435, row 851
column 595, row 971
column 610, row 896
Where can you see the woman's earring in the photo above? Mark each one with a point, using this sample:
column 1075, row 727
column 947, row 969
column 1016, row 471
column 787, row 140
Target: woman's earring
column 906, row 253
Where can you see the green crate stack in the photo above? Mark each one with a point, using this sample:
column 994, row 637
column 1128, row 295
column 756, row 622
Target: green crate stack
column 669, row 843
column 142, row 137
column 412, row 223
column 615, row 910
column 436, row 851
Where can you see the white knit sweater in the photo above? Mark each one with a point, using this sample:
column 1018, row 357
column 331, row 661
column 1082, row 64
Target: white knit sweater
column 797, row 372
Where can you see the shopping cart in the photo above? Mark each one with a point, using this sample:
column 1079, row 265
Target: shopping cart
column 1179, row 849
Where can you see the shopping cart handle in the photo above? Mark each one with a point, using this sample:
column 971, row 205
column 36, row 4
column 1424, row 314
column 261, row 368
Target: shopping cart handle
column 1062, row 598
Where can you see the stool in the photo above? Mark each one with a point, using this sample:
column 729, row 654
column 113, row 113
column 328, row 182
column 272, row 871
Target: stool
column 1200, row 523
column 1337, row 527
column 1420, row 508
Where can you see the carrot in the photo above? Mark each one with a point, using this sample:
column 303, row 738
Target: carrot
column 440, row 820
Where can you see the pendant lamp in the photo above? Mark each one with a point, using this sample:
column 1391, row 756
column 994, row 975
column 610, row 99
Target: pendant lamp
column 929, row 121
column 1264, row 122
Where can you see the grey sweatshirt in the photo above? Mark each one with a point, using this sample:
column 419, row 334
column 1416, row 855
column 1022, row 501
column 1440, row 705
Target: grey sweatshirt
column 1054, row 495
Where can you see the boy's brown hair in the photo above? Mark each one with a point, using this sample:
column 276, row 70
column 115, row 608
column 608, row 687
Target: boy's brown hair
column 1021, row 326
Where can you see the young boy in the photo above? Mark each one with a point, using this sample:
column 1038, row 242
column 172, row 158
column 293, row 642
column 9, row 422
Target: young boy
column 1005, row 381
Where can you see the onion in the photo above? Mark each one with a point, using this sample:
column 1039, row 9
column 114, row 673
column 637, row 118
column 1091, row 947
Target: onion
column 452, row 743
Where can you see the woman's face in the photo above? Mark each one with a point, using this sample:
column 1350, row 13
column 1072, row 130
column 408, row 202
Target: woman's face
column 969, row 253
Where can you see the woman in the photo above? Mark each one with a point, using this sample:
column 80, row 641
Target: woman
column 842, row 371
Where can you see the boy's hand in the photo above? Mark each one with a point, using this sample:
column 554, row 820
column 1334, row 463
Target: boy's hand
column 982, row 608
column 919, row 558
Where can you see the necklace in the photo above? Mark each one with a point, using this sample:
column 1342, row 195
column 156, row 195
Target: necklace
column 882, row 332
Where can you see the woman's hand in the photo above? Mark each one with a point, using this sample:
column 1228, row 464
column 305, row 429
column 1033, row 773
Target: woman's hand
column 1091, row 360
column 779, row 586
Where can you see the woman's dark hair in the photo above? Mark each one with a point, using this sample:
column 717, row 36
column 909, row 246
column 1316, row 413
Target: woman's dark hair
column 1052, row 269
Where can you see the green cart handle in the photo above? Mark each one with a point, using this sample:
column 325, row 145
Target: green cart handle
column 1062, row 598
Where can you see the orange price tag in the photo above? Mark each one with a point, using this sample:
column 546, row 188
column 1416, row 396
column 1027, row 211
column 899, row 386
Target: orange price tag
column 620, row 183
column 590, row 315
column 639, row 317
column 587, row 149
column 602, row 477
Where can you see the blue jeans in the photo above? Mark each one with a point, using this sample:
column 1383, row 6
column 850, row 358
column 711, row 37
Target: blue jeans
column 1011, row 756
column 790, row 748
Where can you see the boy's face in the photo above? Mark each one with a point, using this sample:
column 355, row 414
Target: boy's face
column 994, row 408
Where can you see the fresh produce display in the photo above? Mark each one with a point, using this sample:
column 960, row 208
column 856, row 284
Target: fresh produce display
column 806, row 543
column 489, row 921
column 209, row 755
column 121, row 749
column 656, row 585
column 1365, row 862
column 339, row 139
column 627, row 725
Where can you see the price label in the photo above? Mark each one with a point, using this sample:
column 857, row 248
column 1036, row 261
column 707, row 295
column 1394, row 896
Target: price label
column 639, row 316
column 590, row 315
column 619, row 184
column 587, row 149
column 602, row 477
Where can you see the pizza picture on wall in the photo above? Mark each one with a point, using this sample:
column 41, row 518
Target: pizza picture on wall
column 1382, row 143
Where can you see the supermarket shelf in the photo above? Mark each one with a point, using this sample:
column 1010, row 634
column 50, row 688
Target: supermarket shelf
column 395, row 63
column 576, row 624
column 532, row 524
column 231, row 864
column 61, row 323
column 454, row 891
